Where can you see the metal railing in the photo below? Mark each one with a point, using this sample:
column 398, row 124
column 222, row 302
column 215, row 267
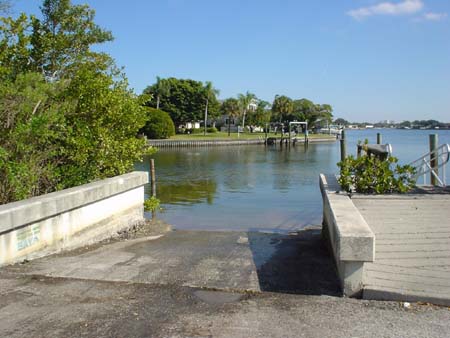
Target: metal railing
column 433, row 163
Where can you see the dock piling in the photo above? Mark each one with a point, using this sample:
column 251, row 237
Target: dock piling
column 379, row 138
column 153, row 176
column 343, row 146
column 434, row 158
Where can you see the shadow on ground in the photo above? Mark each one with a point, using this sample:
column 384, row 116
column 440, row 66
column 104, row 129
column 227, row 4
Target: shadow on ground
column 294, row 263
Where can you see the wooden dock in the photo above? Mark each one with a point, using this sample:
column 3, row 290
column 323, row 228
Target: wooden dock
column 412, row 250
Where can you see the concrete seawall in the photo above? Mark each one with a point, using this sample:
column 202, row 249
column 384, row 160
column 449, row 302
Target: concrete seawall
column 201, row 143
column 350, row 237
column 221, row 142
column 70, row 218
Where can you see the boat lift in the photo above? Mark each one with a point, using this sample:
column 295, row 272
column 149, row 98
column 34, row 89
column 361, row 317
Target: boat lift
column 295, row 123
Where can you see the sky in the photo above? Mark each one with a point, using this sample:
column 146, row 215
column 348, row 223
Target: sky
column 371, row 60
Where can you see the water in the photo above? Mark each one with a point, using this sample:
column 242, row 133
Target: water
column 260, row 188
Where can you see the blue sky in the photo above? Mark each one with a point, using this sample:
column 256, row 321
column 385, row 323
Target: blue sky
column 371, row 60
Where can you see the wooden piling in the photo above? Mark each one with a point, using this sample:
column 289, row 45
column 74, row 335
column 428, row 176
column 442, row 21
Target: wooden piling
column 434, row 158
column 153, row 176
column 343, row 146
column 379, row 138
column 358, row 151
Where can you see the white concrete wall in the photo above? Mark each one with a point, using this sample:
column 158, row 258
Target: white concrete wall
column 70, row 218
column 350, row 237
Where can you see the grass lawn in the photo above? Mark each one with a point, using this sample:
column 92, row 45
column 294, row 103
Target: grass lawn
column 234, row 136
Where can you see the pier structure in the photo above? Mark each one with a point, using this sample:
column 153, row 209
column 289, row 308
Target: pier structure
column 390, row 247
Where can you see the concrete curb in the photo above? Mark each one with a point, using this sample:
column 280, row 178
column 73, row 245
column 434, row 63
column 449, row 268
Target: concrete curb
column 350, row 237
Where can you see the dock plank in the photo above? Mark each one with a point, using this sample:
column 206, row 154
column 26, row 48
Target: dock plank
column 412, row 251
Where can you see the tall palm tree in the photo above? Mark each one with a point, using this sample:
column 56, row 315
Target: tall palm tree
column 282, row 106
column 210, row 92
column 231, row 108
column 162, row 88
column 244, row 102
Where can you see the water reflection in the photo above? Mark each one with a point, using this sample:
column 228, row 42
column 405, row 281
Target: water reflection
column 198, row 191
column 240, row 188
column 257, row 187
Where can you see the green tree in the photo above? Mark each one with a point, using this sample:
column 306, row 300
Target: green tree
column 67, row 115
column 231, row 108
column 324, row 114
column 244, row 102
column 210, row 94
column 159, row 125
column 14, row 46
column 314, row 114
column 186, row 100
column 162, row 88
column 341, row 122
column 405, row 124
column 63, row 38
column 282, row 107
column 31, row 128
column 102, row 124
column 261, row 116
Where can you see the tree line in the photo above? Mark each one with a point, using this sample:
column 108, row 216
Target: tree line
column 416, row 124
column 187, row 100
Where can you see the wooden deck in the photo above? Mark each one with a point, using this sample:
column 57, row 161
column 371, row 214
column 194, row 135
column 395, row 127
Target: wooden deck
column 412, row 250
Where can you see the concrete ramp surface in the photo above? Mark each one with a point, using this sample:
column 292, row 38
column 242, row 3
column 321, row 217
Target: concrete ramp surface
column 240, row 261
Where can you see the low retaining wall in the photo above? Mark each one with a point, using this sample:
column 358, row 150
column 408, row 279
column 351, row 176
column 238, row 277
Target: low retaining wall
column 350, row 237
column 201, row 143
column 70, row 218
column 212, row 143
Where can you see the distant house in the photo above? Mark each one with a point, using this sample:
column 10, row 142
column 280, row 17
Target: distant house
column 235, row 123
column 253, row 105
column 190, row 125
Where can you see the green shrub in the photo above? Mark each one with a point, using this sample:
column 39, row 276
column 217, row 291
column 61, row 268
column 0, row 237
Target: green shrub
column 371, row 175
column 159, row 124
column 212, row 130
column 152, row 204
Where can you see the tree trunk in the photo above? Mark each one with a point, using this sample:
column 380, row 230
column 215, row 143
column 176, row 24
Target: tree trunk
column 157, row 102
column 229, row 125
column 206, row 117
column 243, row 121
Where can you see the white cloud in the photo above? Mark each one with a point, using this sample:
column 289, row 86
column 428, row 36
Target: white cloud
column 434, row 16
column 388, row 8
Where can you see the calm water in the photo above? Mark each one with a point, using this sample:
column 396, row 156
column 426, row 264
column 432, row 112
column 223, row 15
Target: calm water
column 260, row 188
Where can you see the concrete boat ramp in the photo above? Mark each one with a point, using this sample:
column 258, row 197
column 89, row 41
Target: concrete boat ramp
column 199, row 284
column 229, row 261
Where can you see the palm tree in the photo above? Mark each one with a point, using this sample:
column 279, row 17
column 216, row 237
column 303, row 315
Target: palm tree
column 210, row 92
column 162, row 88
column 244, row 102
column 282, row 106
column 231, row 108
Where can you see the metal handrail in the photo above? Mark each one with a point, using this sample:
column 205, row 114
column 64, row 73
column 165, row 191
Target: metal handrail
column 423, row 164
